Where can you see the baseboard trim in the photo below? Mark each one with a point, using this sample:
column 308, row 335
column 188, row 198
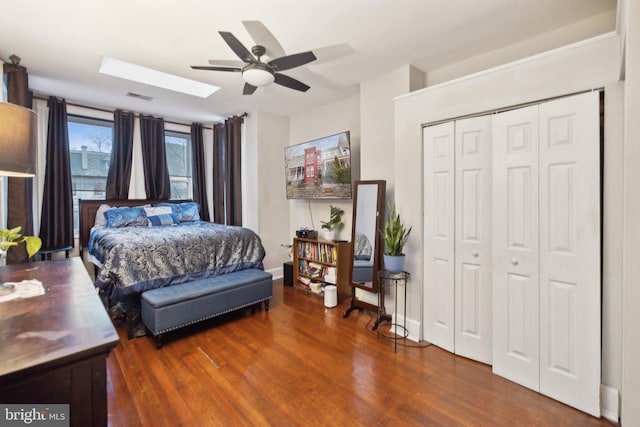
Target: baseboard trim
column 413, row 327
column 277, row 273
column 609, row 403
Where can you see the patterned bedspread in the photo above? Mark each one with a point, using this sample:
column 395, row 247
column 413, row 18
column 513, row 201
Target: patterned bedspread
column 135, row 259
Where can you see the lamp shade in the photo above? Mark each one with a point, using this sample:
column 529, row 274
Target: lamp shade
column 258, row 75
column 17, row 140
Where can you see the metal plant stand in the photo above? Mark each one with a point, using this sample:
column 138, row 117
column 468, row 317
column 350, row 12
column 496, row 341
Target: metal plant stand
column 397, row 279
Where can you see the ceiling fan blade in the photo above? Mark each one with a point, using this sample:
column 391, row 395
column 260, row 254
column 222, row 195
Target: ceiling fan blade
column 292, row 61
column 237, row 47
column 214, row 68
column 290, row 82
column 227, row 63
column 248, row 89
column 263, row 37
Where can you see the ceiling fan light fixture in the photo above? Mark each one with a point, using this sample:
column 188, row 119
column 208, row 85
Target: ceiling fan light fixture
column 258, row 76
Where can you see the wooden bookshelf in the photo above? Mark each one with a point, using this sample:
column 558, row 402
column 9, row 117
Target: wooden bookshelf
column 322, row 261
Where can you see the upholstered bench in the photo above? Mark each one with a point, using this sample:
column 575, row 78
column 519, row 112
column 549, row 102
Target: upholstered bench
column 172, row 307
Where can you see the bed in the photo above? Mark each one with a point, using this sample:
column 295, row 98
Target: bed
column 131, row 256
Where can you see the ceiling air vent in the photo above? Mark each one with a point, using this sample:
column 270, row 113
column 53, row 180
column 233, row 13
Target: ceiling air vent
column 137, row 95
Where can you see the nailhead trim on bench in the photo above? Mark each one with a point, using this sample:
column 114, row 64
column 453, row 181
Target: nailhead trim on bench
column 173, row 328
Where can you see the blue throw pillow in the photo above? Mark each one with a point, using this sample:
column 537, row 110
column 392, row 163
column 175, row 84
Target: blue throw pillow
column 163, row 219
column 188, row 211
column 126, row 217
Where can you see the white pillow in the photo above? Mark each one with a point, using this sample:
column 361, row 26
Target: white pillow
column 160, row 216
column 158, row 210
column 101, row 220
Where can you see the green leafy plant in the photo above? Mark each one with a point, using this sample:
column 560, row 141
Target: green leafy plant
column 395, row 234
column 12, row 237
column 335, row 219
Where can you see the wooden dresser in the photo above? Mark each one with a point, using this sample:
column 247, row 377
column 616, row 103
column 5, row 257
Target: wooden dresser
column 53, row 347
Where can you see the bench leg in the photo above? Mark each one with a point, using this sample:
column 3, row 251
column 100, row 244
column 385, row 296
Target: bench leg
column 158, row 341
column 266, row 305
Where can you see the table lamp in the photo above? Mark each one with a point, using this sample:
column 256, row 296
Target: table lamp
column 17, row 149
column 17, row 141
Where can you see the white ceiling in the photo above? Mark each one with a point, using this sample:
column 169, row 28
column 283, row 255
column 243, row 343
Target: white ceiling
column 62, row 44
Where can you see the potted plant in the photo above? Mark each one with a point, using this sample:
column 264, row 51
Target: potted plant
column 334, row 224
column 12, row 237
column 395, row 237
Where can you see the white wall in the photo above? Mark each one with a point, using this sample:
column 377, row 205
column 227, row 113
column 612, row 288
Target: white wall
column 327, row 120
column 376, row 118
column 550, row 40
column 369, row 117
column 267, row 134
column 631, row 293
column 376, row 146
column 580, row 67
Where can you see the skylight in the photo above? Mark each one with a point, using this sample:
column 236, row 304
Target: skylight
column 137, row 73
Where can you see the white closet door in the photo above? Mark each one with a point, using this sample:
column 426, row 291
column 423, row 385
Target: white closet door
column 439, row 238
column 473, row 273
column 515, row 246
column 570, row 251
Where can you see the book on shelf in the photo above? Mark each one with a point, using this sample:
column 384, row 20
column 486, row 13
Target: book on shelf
column 315, row 269
column 316, row 287
column 304, row 281
column 330, row 275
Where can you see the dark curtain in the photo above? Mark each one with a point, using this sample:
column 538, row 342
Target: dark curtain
column 199, row 175
column 56, row 226
column 227, row 181
column 119, row 174
column 19, row 190
column 154, row 158
column 219, row 137
column 233, row 181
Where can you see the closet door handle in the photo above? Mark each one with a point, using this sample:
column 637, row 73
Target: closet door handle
column 475, row 253
column 514, row 261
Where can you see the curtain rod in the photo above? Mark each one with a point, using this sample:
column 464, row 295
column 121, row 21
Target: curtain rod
column 105, row 110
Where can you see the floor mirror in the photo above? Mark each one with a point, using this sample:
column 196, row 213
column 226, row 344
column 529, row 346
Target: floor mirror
column 367, row 245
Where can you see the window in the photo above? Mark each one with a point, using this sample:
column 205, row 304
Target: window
column 90, row 142
column 178, row 147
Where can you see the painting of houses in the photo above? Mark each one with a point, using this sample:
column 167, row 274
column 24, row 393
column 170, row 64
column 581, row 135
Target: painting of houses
column 319, row 169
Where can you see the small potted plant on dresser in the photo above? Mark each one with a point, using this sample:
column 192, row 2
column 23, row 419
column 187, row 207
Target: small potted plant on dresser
column 395, row 237
column 12, row 237
column 334, row 224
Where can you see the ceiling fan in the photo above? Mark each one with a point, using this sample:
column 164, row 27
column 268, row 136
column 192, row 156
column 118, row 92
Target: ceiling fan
column 255, row 72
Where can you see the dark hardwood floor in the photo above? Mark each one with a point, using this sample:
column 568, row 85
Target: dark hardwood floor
column 302, row 364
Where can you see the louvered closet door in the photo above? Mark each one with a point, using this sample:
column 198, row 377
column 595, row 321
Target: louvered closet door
column 439, row 237
column 473, row 273
column 515, row 247
column 570, row 251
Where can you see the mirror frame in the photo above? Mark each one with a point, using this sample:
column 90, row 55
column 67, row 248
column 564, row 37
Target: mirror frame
column 378, row 243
